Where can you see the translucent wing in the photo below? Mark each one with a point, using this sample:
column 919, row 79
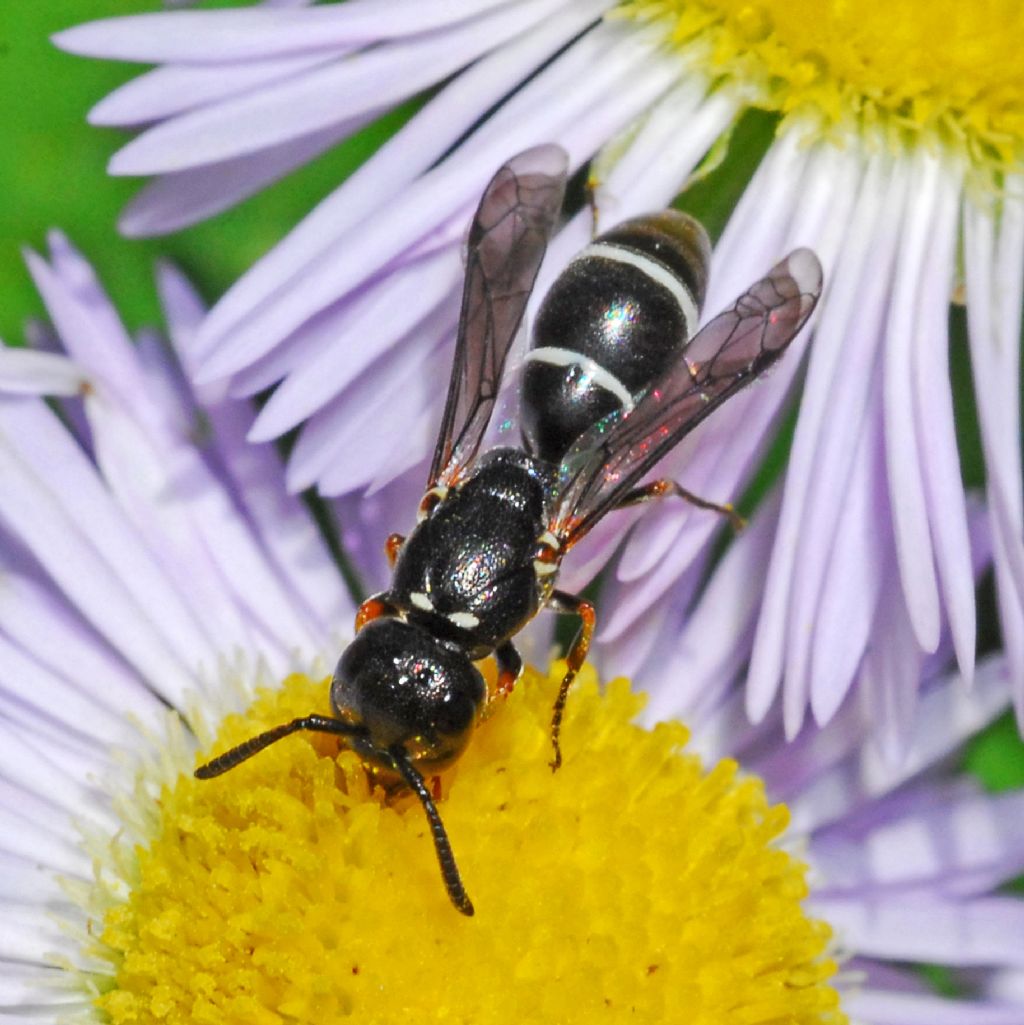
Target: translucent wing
column 506, row 245
column 728, row 353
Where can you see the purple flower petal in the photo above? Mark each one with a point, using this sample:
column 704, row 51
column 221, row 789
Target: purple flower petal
column 216, row 36
column 946, row 716
column 38, row 373
column 707, row 650
column 176, row 88
column 287, row 536
column 994, row 267
column 881, row 1007
column 397, row 163
column 835, row 396
column 957, row 841
column 861, row 554
column 933, row 409
column 81, row 311
column 974, row 932
column 398, row 388
column 376, row 320
column 341, row 91
column 914, row 551
column 178, row 200
column 66, row 519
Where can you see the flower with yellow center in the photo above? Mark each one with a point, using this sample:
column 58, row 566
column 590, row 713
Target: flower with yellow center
column 896, row 157
column 293, row 890
column 640, row 883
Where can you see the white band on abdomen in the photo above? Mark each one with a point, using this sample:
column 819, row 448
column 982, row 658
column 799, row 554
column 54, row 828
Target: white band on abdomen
column 656, row 271
column 558, row 357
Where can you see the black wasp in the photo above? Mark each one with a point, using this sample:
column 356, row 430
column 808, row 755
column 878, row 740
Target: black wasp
column 616, row 376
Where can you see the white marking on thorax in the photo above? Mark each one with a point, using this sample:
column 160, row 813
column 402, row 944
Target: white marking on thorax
column 430, row 500
column 464, row 620
column 559, row 357
column 421, row 601
column 655, row 271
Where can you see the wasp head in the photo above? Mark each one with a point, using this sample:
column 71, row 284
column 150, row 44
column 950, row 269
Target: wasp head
column 406, row 688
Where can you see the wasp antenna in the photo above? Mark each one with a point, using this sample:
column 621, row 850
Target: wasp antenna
column 446, row 859
column 315, row 723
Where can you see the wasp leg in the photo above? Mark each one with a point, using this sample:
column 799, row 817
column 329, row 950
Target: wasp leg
column 392, row 547
column 660, row 488
column 374, row 607
column 510, row 668
column 445, row 858
column 570, row 604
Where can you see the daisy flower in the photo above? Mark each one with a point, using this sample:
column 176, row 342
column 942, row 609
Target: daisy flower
column 896, row 159
column 158, row 577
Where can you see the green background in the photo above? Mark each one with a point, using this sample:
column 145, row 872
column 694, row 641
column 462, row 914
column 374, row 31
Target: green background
column 52, row 174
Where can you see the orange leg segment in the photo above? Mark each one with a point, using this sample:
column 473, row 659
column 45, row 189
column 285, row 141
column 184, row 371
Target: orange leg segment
column 660, row 488
column 569, row 603
column 373, row 608
column 392, row 547
column 510, row 668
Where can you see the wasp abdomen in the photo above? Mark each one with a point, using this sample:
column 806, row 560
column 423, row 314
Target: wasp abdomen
column 613, row 321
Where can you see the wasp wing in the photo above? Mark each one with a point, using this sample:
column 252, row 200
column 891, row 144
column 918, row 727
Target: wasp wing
column 507, row 241
column 724, row 356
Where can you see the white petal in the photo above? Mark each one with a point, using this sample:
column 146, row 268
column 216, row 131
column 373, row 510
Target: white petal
column 832, row 413
column 914, row 550
column 54, row 502
column 397, row 163
column 883, row 1007
column 933, row 419
column 215, row 36
column 946, row 716
column 178, row 200
column 30, row 937
column 710, row 648
column 974, row 932
column 24, row 767
column 379, row 318
column 59, row 699
column 655, row 166
column 38, row 373
column 175, row 88
column 27, row 879
column 29, row 986
column 954, row 841
column 350, row 87
column 860, row 558
column 994, row 267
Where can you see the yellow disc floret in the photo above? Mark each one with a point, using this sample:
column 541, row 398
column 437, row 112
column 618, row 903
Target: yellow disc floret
column 945, row 66
column 630, row 886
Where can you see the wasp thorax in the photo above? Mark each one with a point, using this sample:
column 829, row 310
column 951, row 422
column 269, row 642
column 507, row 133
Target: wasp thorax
column 406, row 687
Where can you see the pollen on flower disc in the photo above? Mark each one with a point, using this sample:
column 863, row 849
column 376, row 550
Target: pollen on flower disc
column 630, row 886
column 945, row 67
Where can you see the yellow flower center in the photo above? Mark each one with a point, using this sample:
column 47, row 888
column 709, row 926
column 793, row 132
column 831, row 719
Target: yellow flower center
column 942, row 66
column 630, row 886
